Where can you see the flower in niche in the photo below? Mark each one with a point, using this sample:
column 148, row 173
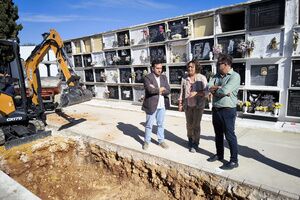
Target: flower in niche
column 277, row 105
column 217, row 49
column 247, row 103
column 246, row 47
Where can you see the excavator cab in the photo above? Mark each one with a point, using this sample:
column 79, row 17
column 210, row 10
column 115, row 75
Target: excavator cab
column 19, row 119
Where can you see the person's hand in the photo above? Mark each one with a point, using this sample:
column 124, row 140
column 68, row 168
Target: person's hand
column 161, row 90
column 192, row 94
column 180, row 108
column 214, row 88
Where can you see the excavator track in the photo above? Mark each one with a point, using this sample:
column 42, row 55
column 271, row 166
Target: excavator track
column 35, row 130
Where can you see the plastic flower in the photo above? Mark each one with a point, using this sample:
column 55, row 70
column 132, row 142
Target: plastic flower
column 240, row 104
column 277, row 105
column 247, row 103
column 133, row 75
column 217, row 49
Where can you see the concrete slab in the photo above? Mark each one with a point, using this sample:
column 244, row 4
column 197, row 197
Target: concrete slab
column 268, row 153
column 12, row 190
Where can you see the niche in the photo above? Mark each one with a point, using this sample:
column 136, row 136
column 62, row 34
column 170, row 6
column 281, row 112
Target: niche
column 78, row 61
column 227, row 20
column 89, row 76
column 87, row 60
column 178, row 29
column 126, row 93
column 240, row 69
column 123, row 38
column 125, row 75
column 201, row 48
column 113, row 92
column 175, row 93
column 124, row 57
column 176, row 73
column 158, row 53
column 100, row 75
column 157, row 33
column 68, row 47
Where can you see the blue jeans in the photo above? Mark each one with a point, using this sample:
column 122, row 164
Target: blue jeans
column 159, row 115
column 224, row 123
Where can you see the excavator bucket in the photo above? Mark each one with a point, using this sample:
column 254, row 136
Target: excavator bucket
column 75, row 95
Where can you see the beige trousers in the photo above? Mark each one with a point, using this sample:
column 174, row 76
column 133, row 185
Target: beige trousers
column 193, row 116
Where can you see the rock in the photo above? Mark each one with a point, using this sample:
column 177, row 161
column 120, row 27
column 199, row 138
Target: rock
column 29, row 177
column 24, row 158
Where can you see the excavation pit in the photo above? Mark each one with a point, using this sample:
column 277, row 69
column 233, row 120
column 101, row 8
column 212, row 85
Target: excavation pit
column 76, row 167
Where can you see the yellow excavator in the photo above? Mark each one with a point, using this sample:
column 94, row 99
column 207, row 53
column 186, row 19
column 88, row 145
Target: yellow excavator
column 22, row 110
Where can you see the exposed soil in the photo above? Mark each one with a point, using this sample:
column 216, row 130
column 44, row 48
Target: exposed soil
column 71, row 168
column 60, row 168
column 64, row 118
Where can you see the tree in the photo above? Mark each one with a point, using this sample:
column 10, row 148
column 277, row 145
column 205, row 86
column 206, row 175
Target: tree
column 9, row 29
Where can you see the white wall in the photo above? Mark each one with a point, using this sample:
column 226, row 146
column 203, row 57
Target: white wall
column 25, row 52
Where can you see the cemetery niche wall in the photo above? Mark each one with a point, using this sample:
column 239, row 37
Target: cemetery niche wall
column 258, row 41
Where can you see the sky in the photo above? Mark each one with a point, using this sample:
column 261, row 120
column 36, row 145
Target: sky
column 78, row 18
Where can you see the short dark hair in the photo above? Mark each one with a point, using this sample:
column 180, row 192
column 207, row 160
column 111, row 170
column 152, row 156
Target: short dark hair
column 155, row 62
column 198, row 67
column 225, row 58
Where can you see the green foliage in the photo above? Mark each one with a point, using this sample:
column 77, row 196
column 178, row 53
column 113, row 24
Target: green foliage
column 9, row 29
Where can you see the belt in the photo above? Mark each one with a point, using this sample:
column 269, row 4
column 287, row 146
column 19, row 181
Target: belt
column 220, row 108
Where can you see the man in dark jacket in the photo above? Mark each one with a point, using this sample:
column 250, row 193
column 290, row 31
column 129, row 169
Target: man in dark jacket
column 155, row 103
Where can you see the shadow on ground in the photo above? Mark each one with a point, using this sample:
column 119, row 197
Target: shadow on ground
column 72, row 121
column 138, row 135
column 256, row 155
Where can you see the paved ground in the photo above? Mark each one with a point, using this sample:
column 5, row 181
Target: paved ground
column 12, row 190
column 268, row 151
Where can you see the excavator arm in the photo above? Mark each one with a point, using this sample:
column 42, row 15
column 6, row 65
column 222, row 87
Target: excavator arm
column 74, row 92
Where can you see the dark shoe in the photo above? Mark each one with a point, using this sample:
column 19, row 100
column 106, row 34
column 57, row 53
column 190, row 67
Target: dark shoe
column 214, row 158
column 145, row 146
column 229, row 165
column 190, row 144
